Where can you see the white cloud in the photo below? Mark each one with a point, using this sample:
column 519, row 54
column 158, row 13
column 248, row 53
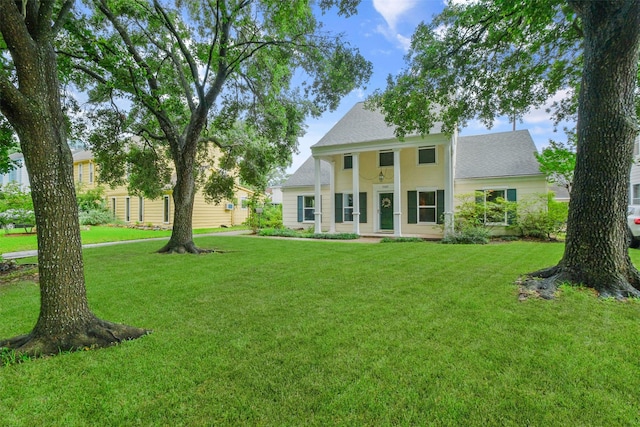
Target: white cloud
column 392, row 10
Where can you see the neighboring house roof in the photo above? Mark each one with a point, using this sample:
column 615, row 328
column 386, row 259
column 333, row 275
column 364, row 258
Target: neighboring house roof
column 16, row 156
column 561, row 193
column 82, row 155
column 305, row 174
column 491, row 155
column 496, row 155
column 361, row 125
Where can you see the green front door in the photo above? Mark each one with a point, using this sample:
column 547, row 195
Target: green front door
column 385, row 202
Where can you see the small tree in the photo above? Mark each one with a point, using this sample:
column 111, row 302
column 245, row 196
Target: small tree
column 557, row 162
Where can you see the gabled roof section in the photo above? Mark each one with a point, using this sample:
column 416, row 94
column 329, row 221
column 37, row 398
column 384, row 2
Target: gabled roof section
column 82, row 155
column 361, row 125
column 496, row 155
column 304, row 176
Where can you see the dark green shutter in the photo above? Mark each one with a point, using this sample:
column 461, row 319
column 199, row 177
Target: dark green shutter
column 511, row 197
column 412, row 206
column 300, row 209
column 440, row 207
column 363, row 208
column 338, row 207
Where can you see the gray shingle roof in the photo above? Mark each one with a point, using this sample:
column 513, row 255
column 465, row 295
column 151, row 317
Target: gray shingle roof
column 81, row 155
column 360, row 125
column 479, row 156
column 305, row 174
column 496, row 155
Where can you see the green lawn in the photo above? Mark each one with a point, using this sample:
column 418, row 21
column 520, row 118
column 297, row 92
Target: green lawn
column 95, row 234
column 278, row 332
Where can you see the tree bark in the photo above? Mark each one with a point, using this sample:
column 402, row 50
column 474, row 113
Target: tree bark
column 65, row 321
column 181, row 240
column 596, row 253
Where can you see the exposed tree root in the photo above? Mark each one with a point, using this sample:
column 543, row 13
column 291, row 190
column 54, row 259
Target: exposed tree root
column 96, row 334
column 186, row 248
column 544, row 284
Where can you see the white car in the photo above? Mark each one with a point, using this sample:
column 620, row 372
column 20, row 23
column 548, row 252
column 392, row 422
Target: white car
column 633, row 221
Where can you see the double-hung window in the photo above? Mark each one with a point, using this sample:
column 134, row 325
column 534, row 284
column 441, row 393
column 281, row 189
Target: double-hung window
column 496, row 209
column 347, row 207
column 80, row 172
column 427, row 207
column 309, row 208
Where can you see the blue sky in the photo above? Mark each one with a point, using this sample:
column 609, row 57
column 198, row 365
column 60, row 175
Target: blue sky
column 382, row 31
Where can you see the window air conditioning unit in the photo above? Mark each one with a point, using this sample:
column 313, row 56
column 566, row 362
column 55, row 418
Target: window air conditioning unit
column 229, row 206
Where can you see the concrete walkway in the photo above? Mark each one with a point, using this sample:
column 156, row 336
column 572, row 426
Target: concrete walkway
column 27, row 254
column 362, row 239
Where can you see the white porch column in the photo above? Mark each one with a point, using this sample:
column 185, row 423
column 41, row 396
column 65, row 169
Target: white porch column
column 449, row 173
column 356, row 192
column 397, row 199
column 332, row 197
column 318, row 197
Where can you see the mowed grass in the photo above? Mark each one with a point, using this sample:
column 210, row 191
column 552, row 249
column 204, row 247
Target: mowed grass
column 13, row 242
column 278, row 332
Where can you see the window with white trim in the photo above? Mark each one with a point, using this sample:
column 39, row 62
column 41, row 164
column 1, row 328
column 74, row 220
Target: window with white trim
column 308, row 208
column 244, row 202
column 347, row 207
column 113, row 207
column 140, row 209
column 166, row 209
column 427, row 207
column 91, row 173
column 80, row 172
column 496, row 209
column 127, row 209
column 427, row 155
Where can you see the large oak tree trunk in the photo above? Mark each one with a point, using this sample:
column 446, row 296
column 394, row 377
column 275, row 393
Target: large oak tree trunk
column 65, row 321
column 596, row 252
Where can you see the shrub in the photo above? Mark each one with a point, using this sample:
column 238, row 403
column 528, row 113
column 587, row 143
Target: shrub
column 541, row 217
column 92, row 208
column 95, row 217
column 401, row 239
column 271, row 216
column 469, row 235
column 16, row 207
column 18, row 218
column 337, row 236
column 278, row 232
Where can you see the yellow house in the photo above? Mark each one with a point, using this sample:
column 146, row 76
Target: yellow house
column 137, row 210
column 368, row 182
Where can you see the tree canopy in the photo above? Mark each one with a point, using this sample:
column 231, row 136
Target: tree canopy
column 183, row 77
column 486, row 59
